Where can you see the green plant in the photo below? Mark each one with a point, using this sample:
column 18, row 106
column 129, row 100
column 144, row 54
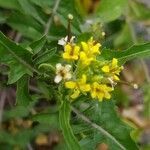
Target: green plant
column 77, row 75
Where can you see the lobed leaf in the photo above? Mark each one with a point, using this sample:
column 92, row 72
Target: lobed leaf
column 105, row 127
column 22, row 96
column 18, row 58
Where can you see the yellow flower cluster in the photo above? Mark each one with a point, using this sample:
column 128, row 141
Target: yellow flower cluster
column 112, row 69
column 89, row 75
column 86, row 53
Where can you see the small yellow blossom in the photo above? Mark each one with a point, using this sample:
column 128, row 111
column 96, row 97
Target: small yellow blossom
column 112, row 69
column 71, row 52
column 100, row 91
column 90, row 49
column 85, row 59
column 78, row 86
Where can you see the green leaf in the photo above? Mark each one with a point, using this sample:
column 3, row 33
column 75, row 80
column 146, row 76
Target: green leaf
column 123, row 38
column 112, row 130
column 10, row 4
column 47, row 56
column 14, row 55
column 23, row 98
column 63, row 12
column 46, row 118
column 38, row 45
column 64, row 119
column 139, row 10
column 110, row 10
column 29, row 9
column 43, row 4
column 16, row 112
column 136, row 51
column 3, row 18
column 15, row 73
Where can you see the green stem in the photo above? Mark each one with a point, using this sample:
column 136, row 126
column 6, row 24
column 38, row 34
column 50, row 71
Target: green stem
column 50, row 20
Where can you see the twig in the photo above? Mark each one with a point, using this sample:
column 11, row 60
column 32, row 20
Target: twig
column 94, row 125
column 2, row 103
column 18, row 37
column 49, row 22
column 29, row 146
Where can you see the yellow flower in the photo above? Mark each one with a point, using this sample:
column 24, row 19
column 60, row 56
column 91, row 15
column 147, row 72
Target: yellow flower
column 90, row 49
column 78, row 86
column 112, row 69
column 71, row 52
column 100, row 91
column 85, row 59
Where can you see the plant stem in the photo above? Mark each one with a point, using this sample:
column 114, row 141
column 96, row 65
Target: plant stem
column 49, row 22
column 94, row 125
column 2, row 103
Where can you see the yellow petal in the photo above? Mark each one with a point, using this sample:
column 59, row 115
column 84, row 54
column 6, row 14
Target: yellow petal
column 106, row 69
column 83, row 55
column 114, row 62
column 68, row 48
column 100, row 96
column 93, row 94
column 116, row 78
column 85, row 46
column 107, row 95
column 75, row 94
column 70, row 85
column 85, row 87
column 66, row 56
column 75, row 57
column 76, row 50
column 95, row 49
column 83, row 79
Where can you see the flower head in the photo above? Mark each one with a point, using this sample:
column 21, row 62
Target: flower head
column 100, row 91
column 90, row 50
column 62, row 72
column 71, row 52
column 78, row 86
column 112, row 69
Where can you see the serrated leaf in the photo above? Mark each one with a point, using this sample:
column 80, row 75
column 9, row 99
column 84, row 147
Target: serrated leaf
column 38, row 45
column 15, row 73
column 22, row 96
column 112, row 130
column 13, row 53
column 64, row 119
column 136, row 51
column 110, row 10
column 47, row 56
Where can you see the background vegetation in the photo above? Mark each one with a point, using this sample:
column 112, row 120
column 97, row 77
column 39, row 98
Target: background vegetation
column 31, row 117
